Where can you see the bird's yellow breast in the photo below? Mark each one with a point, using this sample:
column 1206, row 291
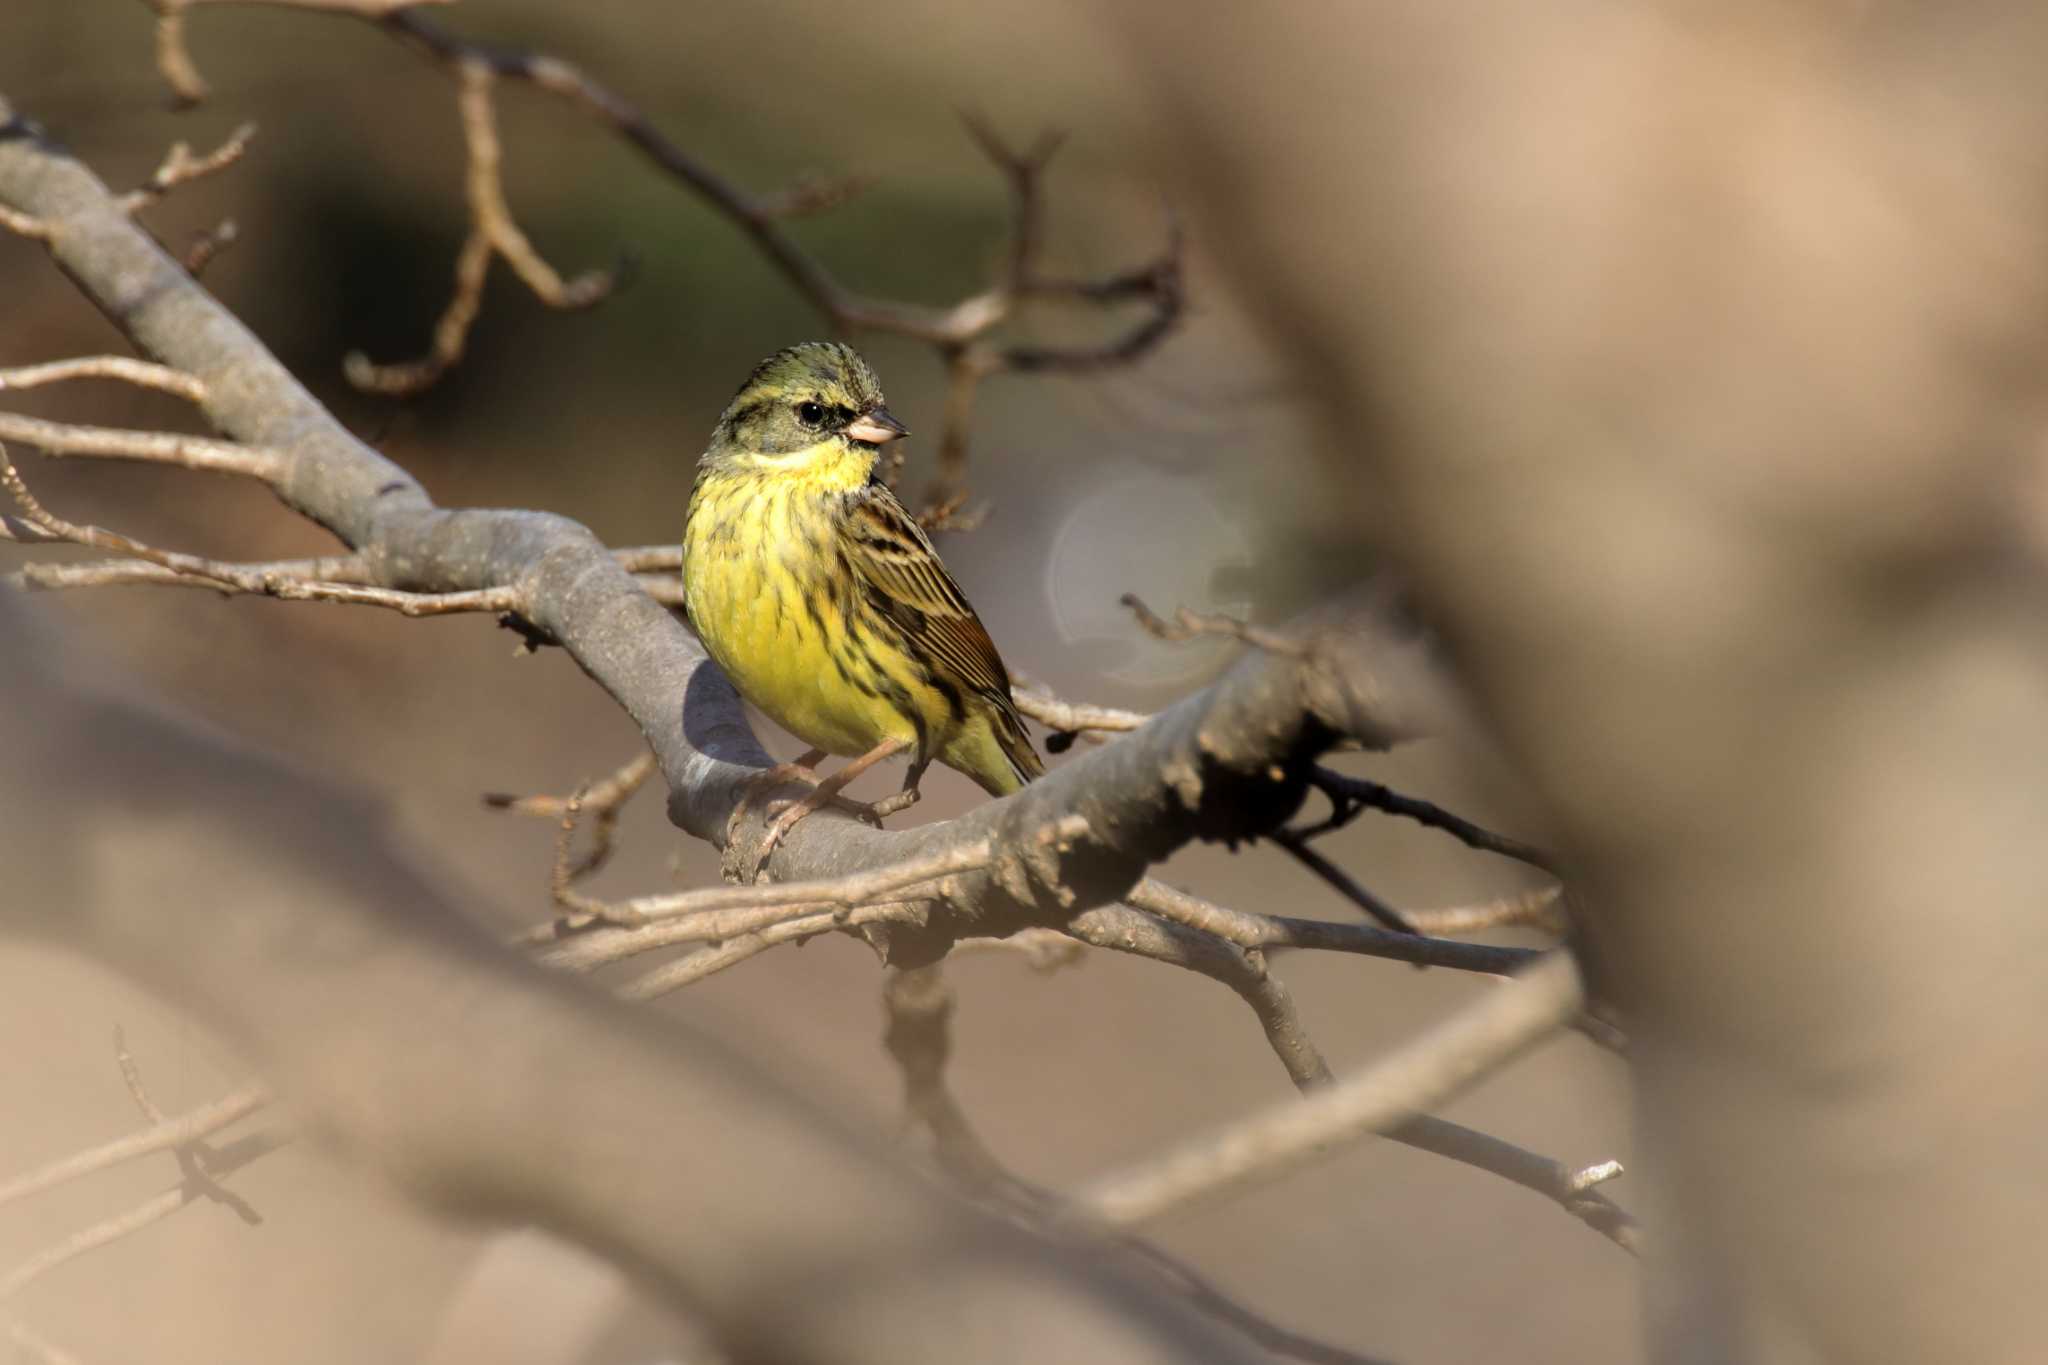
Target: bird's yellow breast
column 764, row 591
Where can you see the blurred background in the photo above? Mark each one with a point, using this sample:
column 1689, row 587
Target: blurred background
column 1187, row 478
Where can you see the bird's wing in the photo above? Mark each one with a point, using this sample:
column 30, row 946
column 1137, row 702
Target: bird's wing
column 895, row 559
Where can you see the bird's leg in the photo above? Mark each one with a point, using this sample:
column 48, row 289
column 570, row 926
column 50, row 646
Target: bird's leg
column 803, row 769
column 825, row 790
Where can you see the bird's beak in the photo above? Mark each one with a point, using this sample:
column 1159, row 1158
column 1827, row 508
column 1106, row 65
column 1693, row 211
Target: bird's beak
column 877, row 426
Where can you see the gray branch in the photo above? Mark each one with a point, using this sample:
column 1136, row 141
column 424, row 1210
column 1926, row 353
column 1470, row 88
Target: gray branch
column 1227, row 763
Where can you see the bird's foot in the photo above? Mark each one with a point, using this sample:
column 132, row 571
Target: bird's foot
column 754, row 791
column 824, row 793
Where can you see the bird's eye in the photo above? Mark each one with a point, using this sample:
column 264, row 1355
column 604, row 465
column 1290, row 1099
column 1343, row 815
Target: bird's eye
column 810, row 414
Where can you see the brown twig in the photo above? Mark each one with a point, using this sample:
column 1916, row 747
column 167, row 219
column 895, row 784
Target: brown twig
column 1347, row 885
column 724, row 912
column 602, row 799
column 1541, row 907
column 155, row 447
column 1349, row 796
column 1418, row 1076
column 59, row 529
column 918, row 1009
column 197, row 1162
column 1254, row 932
column 1074, row 718
column 493, row 232
column 170, row 1134
column 960, row 332
column 326, row 569
column 180, row 167
column 1188, row 625
column 106, row 573
column 229, row 1159
column 174, row 58
column 813, row 194
column 128, row 370
column 227, row 577
column 1228, row 738
column 693, row 967
column 209, row 244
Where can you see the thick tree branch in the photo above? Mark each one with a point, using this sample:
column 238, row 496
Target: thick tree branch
column 1227, row 763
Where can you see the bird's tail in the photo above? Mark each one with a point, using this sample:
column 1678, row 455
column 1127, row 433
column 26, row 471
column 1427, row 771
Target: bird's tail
column 1000, row 758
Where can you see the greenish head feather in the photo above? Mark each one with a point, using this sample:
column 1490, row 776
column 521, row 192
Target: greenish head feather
column 794, row 401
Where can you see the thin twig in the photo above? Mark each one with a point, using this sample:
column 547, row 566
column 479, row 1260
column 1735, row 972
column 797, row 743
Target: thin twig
column 209, row 244
column 694, row 967
column 104, row 573
column 956, row 330
column 229, row 1159
column 493, row 232
column 1188, row 625
column 186, row 1128
column 198, row 1163
column 722, row 912
column 1414, row 1078
column 181, row 167
column 1254, row 931
column 1345, row 883
column 1069, row 720
column 1125, row 930
column 1540, row 907
column 174, row 59
column 24, row 224
column 918, row 1008
column 227, row 577
column 326, row 569
column 601, row 799
column 1350, row 795
column 128, row 370
column 155, row 447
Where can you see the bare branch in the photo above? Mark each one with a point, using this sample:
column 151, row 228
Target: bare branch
column 230, row 1158
column 174, row 59
column 724, row 912
column 1069, row 719
column 1347, row 885
column 155, row 447
column 1351, row 795
column 493, row 231
column 198, row 1162
column 103, row 573
column 1540, row 907
column 1420, row 1075
column 325, row 569
column 1188, row 624
column 181, row 167
column 603, row 799
column 231, row 578
column 209, row 244
column 918, row 1009
column 124, row 368
column 183, row 1130
column 1253, row 931
column 1228, row 762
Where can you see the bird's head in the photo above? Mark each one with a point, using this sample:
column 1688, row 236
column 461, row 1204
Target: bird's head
column 817, row 400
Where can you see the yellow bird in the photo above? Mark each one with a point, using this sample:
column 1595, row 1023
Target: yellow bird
column 823, row 599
